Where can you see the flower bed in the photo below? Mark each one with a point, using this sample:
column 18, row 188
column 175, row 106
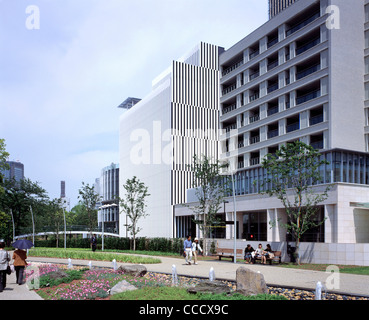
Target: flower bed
column 95, row 284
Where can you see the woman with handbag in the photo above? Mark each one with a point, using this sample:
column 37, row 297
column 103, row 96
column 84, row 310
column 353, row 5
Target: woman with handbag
column 4, row 265
column 20, row 263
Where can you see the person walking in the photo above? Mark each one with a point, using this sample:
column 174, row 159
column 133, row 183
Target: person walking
column 195, row 249
column 4, row 263
column 93, row 242
column 19, row 257
column 187, row 246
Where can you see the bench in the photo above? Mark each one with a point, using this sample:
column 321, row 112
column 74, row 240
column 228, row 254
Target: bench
column 228, row 253
column 277, row 257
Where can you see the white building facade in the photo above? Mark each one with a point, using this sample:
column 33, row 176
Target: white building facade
column 161, row 133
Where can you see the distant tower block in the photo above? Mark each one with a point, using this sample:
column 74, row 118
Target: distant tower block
column 276, row 6
column 62, row 193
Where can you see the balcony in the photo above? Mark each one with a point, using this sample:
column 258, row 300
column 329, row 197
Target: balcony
column 254, row 140
column 230, row 127
column 273, row 64
column 230, row 108
column 316, row 119
column 233, row 67
column 241, row 165
column 307, row 46
column 254, row 75
column 254, row 161
column 302, row 24
column 254, row 54
column 273, row 133
column 304, row 73
column 229, row 89
column 273, row 110
column 254, row 96
column 293, row 127
column 272, row 42
column 254, row 118
column 273, row 87
column 307, row 97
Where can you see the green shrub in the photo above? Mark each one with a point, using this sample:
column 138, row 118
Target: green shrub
column 46, row 281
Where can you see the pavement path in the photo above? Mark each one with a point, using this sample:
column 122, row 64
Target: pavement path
column 348, row 284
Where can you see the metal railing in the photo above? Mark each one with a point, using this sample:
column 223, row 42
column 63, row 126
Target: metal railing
column 233, row 67
column 307, row 97
column 304, row 73
column 302, row 24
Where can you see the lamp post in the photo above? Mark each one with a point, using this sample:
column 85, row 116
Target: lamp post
column 65, row 230
column 11, row 212
column 230, row 171
column 234, row 218
column 103, row 222
column 33, row 226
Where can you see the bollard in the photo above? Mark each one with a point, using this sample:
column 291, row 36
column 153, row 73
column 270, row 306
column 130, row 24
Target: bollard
column 174, row 275
column 70, row 265
column 318, row 291
column 115, row 265
column 211, row 274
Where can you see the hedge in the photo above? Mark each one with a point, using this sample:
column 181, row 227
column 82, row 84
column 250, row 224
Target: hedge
column 145, row 244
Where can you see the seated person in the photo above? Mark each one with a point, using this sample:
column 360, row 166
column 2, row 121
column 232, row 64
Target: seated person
column 248, row 254
column 259, row 251
column 266, row 253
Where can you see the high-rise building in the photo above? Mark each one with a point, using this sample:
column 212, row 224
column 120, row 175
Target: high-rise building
column 276, row 6
column 64, row 200
column 160, row 135
column 62, row 189
column 16, row 171
column 303, row 75
column 109, row 191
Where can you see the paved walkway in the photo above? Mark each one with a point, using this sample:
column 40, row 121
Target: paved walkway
column 13, row 291
column 274, row 275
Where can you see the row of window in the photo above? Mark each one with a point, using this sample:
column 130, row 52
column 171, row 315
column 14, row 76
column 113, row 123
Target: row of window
column 273, row 39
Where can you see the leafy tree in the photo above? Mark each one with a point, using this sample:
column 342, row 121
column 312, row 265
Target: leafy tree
column 18, row 196
column 210, row 192
column 134, row 205
column 89, row 200
column 77, row 216
column 292, row 173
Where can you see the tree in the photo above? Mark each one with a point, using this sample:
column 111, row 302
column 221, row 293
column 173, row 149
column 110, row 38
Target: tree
column 89, row 200
column 18, row 196
column 292, row 173
column 77, row 216
column 55, row 217
column 211, row 190
column 134, row 205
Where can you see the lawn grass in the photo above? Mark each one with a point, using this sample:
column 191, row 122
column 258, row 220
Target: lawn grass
column 81, row 254
column 323, row 267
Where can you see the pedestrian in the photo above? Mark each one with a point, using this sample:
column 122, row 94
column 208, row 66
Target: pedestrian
column 93, row 242
column 19, row 257
column 188, row 249
column 195, row 249
column 4, row 263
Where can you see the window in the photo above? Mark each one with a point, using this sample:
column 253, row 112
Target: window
column 255, row 226
column 314, row 234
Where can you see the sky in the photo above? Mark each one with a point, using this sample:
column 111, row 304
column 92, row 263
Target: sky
column 66, row 66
